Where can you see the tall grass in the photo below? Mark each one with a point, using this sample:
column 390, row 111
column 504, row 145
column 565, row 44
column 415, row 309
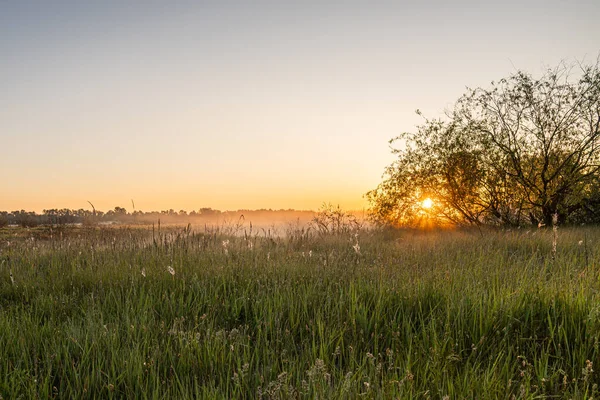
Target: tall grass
column 136, row 313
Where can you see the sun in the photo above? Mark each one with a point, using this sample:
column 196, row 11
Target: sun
column 427, row 203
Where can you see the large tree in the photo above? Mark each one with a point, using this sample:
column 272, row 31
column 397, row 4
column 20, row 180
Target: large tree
column 519, row 151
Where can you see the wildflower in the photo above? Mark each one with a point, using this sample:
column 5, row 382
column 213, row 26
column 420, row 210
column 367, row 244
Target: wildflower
column 144, row 272
column 347, row 382
column 12, row 279
column 171, row 270
column 318, row 371
column 310, row 253
column 225, row 245
column 305, row 386
column 580, row 242
column 356, row 248
column 337, row 352
column 245, row 368
column 588, row 366
column 233, row 334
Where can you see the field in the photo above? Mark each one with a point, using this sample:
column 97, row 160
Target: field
column 139, row 313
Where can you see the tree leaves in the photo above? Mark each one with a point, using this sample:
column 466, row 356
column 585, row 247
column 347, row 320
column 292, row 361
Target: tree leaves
column 517, row 152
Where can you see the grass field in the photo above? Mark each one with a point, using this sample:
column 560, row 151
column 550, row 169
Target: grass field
column 132, row 313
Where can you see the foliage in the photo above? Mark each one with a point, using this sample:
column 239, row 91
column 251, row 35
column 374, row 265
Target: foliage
column 517, row 152
column 25, row 219
column 330, row 220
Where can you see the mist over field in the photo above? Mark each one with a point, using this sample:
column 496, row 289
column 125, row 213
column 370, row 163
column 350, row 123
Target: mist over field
column 240, row 222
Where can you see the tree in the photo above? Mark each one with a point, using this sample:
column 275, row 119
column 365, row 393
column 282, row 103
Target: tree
column 3, row 219
column 523, row 150
column 120, row 211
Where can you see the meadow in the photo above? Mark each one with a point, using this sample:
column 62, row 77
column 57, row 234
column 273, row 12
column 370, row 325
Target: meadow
column 134, row 312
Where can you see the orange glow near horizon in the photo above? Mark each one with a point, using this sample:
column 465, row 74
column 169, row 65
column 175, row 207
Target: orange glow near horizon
column 229, row 198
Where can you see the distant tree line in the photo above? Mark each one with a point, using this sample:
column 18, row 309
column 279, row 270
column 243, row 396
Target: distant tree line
column 67, row 216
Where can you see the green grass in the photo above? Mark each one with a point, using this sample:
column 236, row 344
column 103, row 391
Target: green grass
column 458, row 314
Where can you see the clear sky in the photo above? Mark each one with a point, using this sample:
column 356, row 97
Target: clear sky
column 253, row 104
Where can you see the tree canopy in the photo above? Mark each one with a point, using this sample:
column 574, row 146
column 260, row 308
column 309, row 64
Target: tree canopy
column 518, row 152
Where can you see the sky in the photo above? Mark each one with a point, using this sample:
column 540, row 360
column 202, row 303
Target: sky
column 246, row 104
